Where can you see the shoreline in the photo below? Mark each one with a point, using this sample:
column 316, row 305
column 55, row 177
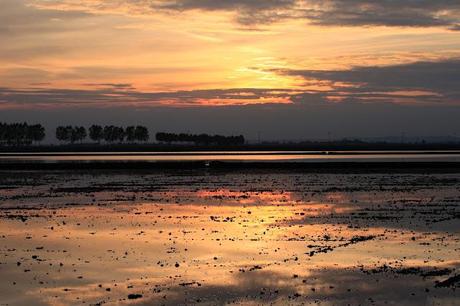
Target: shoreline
column 305, row 167
column 232, row 153
column 176, row 148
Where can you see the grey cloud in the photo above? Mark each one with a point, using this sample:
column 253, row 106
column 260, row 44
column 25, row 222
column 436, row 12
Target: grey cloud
column 408, row 13
column 123, row 94
column 249, row 12
column 411, row 13
column 228, row 4
column 433, row 82
column 439, row 79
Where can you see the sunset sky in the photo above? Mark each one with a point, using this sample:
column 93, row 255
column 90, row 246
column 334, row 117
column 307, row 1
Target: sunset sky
column 367, row 68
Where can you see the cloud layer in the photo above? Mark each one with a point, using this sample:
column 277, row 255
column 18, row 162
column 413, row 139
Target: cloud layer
column 119, row 95
column 409, row 13
column 418, row 83
column 284, row 67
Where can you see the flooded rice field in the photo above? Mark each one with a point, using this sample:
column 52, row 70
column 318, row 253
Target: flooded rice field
column 199, row 237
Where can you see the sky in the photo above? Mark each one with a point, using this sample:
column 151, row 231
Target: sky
column 282, row 69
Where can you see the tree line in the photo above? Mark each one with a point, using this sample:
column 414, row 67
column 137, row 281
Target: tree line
column 19, row 134
column 200, row 139
column 97, row 133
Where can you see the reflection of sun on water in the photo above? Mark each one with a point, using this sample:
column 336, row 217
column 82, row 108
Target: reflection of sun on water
column 221, row 238
column 249, row 197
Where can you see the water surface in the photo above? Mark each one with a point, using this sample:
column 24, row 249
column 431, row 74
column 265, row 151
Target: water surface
column 193, row 237
column 241, row 156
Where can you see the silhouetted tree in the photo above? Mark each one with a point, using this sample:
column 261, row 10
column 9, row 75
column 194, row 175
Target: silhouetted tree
column 96, row 133
column 61, row 134
column 161, row 137
column 130, row 133
column 120, row 134
column 37, row 133
column 113, row 134
column 203, row 139
column 73, row 135
column 20, row 133
column 80, row 132
column 70, row 134
column 109, row 133
column 141, row 133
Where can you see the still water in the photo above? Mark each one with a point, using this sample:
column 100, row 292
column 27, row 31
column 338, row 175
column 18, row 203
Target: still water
column 239, row 238
column 268, row 156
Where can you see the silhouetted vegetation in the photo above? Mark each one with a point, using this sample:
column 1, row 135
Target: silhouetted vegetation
column 130, row 133
column 20, row 134
column 96, row 133
column 110, row 134
column 70, row 133
column 141, row 133
column 135, row 138
column 201, row 139
column 113, row 134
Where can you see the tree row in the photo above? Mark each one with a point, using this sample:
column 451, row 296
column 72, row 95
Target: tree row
column 18, row 134
column 200, row 139
column 97, row 133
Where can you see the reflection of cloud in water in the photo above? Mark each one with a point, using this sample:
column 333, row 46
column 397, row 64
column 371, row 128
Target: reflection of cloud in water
column 261, row 286
column 326, row 287
column 407, row 214
column 119, row 231
column 250, row 197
